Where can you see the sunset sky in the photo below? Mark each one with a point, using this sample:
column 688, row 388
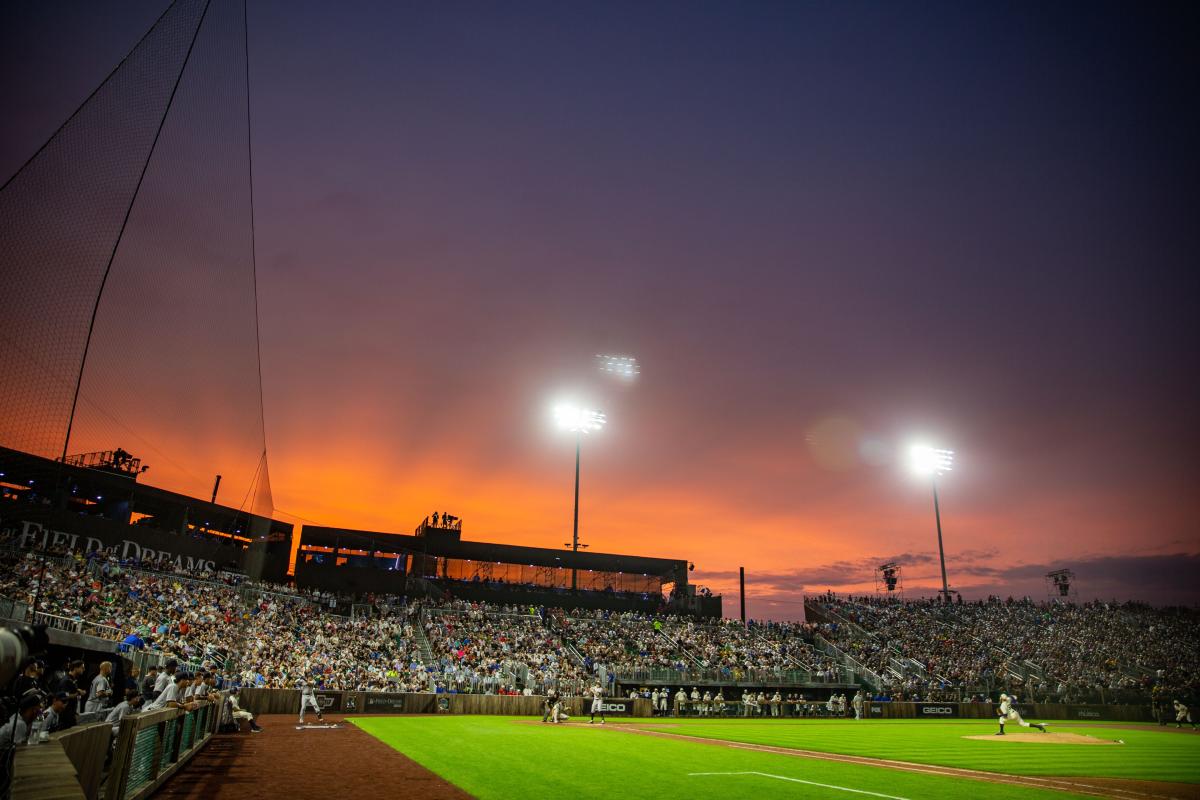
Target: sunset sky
column 825, row 230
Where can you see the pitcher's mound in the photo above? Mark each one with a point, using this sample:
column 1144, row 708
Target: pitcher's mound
column 1044, row 738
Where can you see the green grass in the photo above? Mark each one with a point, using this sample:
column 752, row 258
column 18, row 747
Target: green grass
column 1149, row 753
column 497, row 757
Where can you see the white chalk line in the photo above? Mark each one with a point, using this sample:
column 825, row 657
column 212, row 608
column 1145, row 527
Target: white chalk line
column 800, row 780
column 1027, row 781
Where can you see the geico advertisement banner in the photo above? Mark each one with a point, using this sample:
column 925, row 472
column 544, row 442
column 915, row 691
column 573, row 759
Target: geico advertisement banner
column 612, row 707
column 936, row 710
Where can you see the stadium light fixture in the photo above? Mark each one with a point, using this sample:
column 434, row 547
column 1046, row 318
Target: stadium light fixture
column 926, row 460
column 931, row 462
column 621, row 366
column 579, row 421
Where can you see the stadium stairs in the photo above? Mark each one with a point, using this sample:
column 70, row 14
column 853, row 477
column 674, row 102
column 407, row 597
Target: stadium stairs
column 421, row 640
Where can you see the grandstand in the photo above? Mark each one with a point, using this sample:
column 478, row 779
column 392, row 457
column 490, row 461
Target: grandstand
column 122, row 570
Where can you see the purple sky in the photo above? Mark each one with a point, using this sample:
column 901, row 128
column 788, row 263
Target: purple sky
column 824, row 229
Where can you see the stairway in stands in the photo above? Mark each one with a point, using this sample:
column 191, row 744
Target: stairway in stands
column 422, row 641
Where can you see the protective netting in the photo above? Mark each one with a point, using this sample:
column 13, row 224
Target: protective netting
column 143, row 199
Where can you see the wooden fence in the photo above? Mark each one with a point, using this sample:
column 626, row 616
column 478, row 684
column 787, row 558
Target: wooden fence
column 151, row 747
column 1033, row 711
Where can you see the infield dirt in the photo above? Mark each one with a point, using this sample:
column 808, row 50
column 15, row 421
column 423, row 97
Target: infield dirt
column 299, row 764
column 1043, row 738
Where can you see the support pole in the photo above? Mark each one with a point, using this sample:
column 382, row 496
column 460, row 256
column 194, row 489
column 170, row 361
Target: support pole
column 216, row 485
column 937, row 515
column 575, row 527
column 742, row 585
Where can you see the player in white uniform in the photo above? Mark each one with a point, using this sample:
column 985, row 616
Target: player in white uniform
column 664, row 700
column 1007, row 712
column 1182, row 715
column 101, row 689
column 597, row 703
column 857, row 702
column 238, row 713
column 308, row 699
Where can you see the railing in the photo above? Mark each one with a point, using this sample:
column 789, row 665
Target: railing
column 15, row 610
column 713, row 677
column 832, row 650
column 152, row 746
column 82, row 626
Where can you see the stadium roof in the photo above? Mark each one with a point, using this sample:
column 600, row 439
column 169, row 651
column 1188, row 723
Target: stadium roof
column 447, row 544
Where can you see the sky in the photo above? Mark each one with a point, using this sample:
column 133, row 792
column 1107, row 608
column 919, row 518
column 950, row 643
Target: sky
column 825, row 230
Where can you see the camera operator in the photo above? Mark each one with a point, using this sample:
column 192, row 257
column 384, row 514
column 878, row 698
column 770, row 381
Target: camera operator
column 15, row 731
column 21, row 695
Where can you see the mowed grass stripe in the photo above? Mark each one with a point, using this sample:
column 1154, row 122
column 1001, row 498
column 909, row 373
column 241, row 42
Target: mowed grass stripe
column 500, row 757
column 1149, row 753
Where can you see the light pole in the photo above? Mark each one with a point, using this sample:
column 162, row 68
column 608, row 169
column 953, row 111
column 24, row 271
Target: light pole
column 930, row 461
column 580, row 421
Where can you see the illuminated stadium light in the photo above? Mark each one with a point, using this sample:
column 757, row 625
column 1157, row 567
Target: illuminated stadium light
column 621, row 366
column 578, row 420
column 926, row 460
column 931, row 462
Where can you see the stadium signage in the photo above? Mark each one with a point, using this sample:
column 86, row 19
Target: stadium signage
column 936, row 710
column 330, row 701
column 382, row 702
column 31, row 534
column 623, row 707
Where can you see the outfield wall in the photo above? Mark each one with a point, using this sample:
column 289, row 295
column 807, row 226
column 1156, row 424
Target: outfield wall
column 287, row 701
column 1034, row 711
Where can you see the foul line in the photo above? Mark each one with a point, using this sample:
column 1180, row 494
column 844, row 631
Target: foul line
column 1028, row 781
column 799, row 780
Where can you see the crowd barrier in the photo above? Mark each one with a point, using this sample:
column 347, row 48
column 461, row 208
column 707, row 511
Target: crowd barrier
column 151, row 747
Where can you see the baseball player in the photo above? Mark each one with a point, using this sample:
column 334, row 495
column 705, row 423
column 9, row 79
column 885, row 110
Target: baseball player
column 548, row 703
column 557, row 713
column 706, row 704
column 857, row 702
column 129, row 705
column 664, row 699
column 597, row 694
column 719, row 704
column 239, row 714
column 308, row 699
column 1182, row 715
column 101, row 689
column 1007, row 712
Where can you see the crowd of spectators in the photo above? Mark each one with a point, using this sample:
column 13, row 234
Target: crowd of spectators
column 1052, row 651
column 496, row 649
column 269, row 635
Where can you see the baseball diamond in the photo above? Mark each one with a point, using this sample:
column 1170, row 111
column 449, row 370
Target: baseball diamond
column 609, row 399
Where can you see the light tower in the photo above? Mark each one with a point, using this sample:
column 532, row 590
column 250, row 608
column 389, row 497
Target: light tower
column 580, row 421
column 932, row 462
